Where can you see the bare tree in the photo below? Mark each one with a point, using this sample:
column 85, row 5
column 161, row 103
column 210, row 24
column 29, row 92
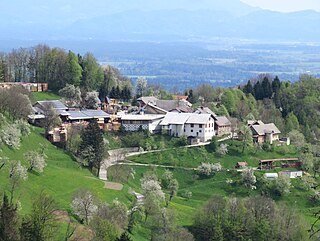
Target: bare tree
column 51, row 119
column 83, row 204
column 17, row 173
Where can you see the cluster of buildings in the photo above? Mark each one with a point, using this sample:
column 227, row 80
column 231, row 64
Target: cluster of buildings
column 173, row 117
column 32, row 87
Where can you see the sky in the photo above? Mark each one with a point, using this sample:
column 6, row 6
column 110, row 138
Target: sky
column 285, row 5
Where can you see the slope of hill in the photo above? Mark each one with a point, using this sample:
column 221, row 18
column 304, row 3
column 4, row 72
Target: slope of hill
column 61, row 177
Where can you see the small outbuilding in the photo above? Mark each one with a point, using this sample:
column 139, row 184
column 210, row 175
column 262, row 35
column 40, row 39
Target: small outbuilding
column 271, row 176
column 291, row 174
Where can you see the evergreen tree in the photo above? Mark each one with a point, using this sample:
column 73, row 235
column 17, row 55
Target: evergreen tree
column 191, row 96
column 92, row 138
column 266, row 88
column 112, row 93
column 9, row 221
column 248, row 88
column 258, row 91
column 276, row 84
column 117, row 92
column 124, row 237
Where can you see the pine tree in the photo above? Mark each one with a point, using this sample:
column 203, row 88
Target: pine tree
column 258, row 91
column 248, row 88
column 9, row 221
column 92, row 137
column 266, row 88
column 276, row 84
column 112, row 93
column 124, row 237
column 117, row 93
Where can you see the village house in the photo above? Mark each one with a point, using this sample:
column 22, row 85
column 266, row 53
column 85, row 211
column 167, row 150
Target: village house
column 222, row 126
column 262, row 132
column 222, row 123
column 145, row 122
column 191, row 125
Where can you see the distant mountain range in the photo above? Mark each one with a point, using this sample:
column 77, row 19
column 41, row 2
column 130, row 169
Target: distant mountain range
column 154, row 20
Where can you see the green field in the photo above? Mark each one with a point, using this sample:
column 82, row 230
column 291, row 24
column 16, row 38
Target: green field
column 39, row 96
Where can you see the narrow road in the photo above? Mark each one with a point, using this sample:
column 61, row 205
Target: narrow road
column 118, row 156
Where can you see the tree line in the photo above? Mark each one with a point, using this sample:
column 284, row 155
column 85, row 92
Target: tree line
column 58, row 67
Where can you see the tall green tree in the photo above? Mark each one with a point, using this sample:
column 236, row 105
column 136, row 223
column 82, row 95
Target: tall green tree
column 92, row 137
column 92, row 75
column 73, row 70
column 9, row 221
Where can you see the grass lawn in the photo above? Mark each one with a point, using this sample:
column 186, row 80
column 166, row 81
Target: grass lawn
column 193, row 157
column 38, row 96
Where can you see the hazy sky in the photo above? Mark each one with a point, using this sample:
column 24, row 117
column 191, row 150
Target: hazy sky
column 285, row 5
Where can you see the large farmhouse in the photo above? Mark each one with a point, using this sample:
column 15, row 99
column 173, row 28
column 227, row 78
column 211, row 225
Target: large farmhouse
column 192, row 125
column 144, row 122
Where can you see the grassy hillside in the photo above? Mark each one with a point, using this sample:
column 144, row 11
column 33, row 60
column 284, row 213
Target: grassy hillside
column 193, row 157
column 38, row 96
column 61, row 178
column 203, row 189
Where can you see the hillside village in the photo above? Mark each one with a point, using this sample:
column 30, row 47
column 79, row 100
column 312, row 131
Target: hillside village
column 171, row 153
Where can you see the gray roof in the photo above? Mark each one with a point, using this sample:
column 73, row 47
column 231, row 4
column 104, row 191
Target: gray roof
column 169, row 105
column 198, row 118
column 185, row 118
column 87, row 114
column 205, row 110
column 265, row 129
column 148, row 99
column 254, row 122
column 222, row 121
column 56, row 104
column 145, row 117
column 96, row 113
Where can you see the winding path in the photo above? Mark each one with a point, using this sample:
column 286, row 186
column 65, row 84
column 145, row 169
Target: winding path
column 117, row 157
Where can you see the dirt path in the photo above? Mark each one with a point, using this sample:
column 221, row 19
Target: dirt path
column 113, row 186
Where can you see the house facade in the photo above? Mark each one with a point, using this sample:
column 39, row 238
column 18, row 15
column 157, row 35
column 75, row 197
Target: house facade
column 222, row 126
column 262, row 132
column 145, row 122
column 191, row 125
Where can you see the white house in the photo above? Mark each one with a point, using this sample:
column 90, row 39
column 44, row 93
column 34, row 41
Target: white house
column 146, row 122
column 291, row 174
column 200, row 126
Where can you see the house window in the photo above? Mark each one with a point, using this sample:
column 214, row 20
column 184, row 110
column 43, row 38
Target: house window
column 192, row 125
column 200, row 131
column 184, row 130
column 191, row 130
column 200, row 125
